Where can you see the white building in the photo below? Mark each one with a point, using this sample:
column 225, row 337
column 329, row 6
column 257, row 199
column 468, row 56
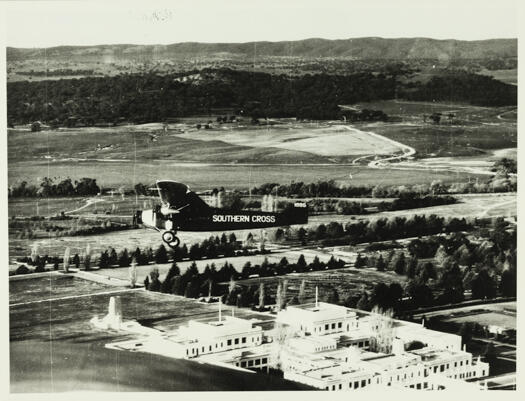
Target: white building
column 333, row 351
column 328, row 347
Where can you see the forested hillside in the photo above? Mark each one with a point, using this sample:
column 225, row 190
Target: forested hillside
column 151, row 97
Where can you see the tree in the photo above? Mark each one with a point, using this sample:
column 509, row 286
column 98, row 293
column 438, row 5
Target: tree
column 124, row 259
column 301, row 264
column 333, row 296
column 146, row 283
column 195, row 252
column 420, row 293
column 103, row 260
column 359, row 261
column 483, row 286
column 380, row 264
column 364, row 302
column 167, row 284
column 489, row 353
column 155, row 282
column 399, row 263
column 426, row 272
column 411, row 267
column 452, row 283
column 441, row 255
column 301, row 235
column 507, row 284
column 161, row 255
column 466, row 331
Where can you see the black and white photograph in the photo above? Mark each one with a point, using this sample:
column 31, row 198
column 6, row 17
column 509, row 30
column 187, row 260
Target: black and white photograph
column 280, row 196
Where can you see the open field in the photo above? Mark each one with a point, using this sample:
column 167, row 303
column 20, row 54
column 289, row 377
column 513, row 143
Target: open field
column 449, row 140
column 486, row 319
column 231, row 176
column 324, row 140
column 51, row 286
column 507, row 76
column 67, row 317
column 347, row 282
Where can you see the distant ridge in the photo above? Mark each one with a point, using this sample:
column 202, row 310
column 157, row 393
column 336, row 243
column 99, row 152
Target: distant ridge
column 358, row 48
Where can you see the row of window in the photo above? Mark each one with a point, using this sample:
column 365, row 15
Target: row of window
column 354, row 385
column 253, row 363
column 229, row 343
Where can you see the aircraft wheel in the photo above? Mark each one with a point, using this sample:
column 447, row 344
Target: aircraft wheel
column 168, row 236
column 175, row 243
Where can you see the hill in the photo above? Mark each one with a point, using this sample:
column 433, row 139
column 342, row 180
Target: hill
column 357, row 48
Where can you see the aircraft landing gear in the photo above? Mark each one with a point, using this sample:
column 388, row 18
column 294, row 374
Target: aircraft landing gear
column 170, row 239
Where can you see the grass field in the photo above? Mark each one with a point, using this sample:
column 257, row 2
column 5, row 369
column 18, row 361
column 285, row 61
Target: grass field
column 507, row 76
column 347, row 282
column 207, row 176
column 51, row 286
column 68, row 318
column 450, row 140
column 324, row 140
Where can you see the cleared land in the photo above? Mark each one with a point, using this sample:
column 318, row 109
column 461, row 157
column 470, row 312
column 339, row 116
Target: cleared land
column 231, row 176
column 324, row 140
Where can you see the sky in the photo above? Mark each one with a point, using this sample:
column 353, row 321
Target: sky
column 54, row 23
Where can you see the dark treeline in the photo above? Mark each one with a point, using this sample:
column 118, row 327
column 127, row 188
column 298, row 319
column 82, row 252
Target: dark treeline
column 193, row 284
column 48, row 188
column 150, row 97
column 321, row 189
column 383, row 229
column 407, row 200
column 465, row 87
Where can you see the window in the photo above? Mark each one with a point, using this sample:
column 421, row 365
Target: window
column 339, row 325
column 265, row 360
column 369, row 380
column 356, row 384
column 250, row 363
column 340, row 386
column 363, row 383
column 442, row 368
column 243, row 364
column 244, row 340
column 367, row 343
column 333, row 387
column 326, row 327
column 455, row 364
column 202, row 349
column 236, row 341
column 229, row 342
column 350, row 385
column 210, row 348
column 333, row 326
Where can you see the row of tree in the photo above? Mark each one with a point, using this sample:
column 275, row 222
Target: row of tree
column 330, row 189
column 48, row 187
